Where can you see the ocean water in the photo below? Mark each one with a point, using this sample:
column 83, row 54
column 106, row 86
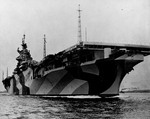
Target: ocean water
column 125, row 106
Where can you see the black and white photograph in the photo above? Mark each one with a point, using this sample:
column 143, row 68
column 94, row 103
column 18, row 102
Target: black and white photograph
column 74, row 59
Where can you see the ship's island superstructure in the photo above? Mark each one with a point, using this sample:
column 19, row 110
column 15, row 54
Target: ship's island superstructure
column 87, row 68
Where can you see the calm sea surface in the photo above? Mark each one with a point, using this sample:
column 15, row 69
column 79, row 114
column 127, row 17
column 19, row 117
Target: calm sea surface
column 126, row 106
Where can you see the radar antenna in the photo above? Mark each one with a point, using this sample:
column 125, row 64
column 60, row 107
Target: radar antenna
column 24, row 45
column 79, row 26
column 44, row 54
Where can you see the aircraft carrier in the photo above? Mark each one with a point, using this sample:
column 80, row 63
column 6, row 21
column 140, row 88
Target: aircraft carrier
column 86, row 68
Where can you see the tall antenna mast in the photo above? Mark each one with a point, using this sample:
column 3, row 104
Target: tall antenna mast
column 7, row 72
column 23, row 39
column 79, row 26
column 44, row 54
column 86, row 34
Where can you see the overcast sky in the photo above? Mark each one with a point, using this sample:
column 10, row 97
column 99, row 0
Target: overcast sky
column 113, row 21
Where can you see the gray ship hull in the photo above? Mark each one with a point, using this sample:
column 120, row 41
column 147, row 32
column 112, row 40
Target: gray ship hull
column 98, row 77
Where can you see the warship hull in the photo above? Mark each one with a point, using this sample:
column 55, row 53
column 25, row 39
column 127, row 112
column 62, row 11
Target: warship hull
column 86, row 68
column 100, row 77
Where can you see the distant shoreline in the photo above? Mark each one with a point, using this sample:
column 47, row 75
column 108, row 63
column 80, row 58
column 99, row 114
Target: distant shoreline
column 135, row 91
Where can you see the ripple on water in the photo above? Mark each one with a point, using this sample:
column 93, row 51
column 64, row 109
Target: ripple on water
column 28, row 107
